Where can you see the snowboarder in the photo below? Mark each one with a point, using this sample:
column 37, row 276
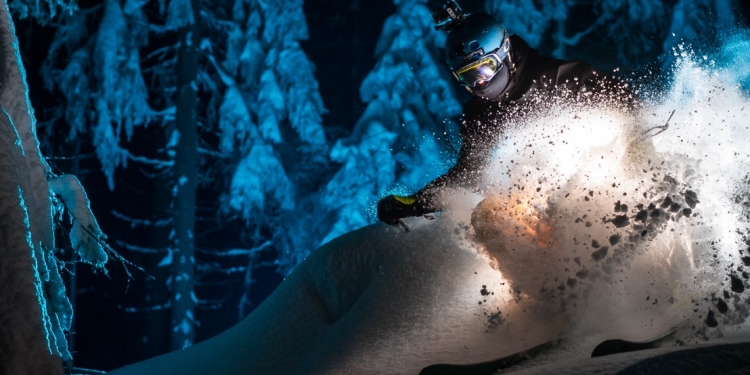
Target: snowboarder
column 503, row 73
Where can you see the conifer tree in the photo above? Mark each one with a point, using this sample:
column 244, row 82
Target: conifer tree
column 401, row 141
column 602, row 33
column 268, row 111
column 41, row 11
column 99, row 75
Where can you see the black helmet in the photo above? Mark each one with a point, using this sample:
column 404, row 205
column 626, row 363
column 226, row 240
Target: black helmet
column 478, row 50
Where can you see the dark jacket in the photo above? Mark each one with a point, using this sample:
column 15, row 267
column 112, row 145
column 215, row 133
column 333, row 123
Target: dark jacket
column 484, row 120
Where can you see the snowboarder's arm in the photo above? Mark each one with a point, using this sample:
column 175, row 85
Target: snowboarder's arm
column 477, row 131
column 393, row 208
column 464, row 174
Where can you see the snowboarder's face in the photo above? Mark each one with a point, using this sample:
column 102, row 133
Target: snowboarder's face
column 494, row 88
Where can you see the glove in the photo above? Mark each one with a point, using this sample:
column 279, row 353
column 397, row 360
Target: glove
column 393, row 207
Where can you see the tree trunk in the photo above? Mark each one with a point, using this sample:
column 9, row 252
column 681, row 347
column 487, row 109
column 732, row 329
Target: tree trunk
column 183, row 299
column 157, row 324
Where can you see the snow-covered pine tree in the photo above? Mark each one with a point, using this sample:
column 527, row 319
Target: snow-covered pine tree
column 41, row 11
column 606, row 33
column 269, row 119
column 99, row 75
column 525, row 17
column 536, row 21
column 104, row 98
column 616, row 33
column 267, row 80
column 401, row 141
column 636, row 29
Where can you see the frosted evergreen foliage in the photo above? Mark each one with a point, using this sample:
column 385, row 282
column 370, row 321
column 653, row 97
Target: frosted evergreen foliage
column 368, row 170
column 249, row 192
column 85, row 235
column 631, row 29
column 534, row 20
column 270, row 101
column 520, row 17
column 651, row 18
column 42, row 11
column 179, row 14
column 399, row 142
column 101, row 79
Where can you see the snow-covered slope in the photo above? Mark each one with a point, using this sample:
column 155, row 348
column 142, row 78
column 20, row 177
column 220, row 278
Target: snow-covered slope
column 374, row 299
column 380, row 300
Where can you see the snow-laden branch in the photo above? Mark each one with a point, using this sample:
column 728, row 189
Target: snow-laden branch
column 206, row 151
column 238, row 252
column 225, row 78
column 85, row 236
column 161, row 164
column 148, row 223
column 85, row 233
column 224, row 270
column 574, row 39
column 140, row 249
column 146, row 309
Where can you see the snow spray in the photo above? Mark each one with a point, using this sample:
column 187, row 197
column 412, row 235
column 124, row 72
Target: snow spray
column 597, row 211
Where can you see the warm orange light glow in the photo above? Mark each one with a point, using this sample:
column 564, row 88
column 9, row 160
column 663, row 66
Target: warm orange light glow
column 514, row 217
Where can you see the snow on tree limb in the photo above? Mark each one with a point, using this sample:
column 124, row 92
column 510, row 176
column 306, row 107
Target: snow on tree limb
column 179, row 14
column 70, row 191
column 269, row 87
column 42, row 11
column 258, row 175
column 235, row 124
column 134, row 222
column 520, row 17
column 271, row 108
column 100, row 78
column 296, row 77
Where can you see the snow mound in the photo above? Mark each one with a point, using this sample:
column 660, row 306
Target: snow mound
column 376, row 300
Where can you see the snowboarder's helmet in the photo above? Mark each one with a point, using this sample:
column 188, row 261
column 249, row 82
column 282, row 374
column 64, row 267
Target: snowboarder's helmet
column 478, row 47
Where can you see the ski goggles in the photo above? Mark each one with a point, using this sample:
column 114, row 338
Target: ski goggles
column 481, row 70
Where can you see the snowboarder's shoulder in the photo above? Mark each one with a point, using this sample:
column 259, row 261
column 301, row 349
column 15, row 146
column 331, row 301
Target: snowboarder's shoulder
column 532, row 66
column 535, row 66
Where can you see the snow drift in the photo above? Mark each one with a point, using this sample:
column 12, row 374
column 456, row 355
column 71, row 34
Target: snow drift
column 592, row 223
